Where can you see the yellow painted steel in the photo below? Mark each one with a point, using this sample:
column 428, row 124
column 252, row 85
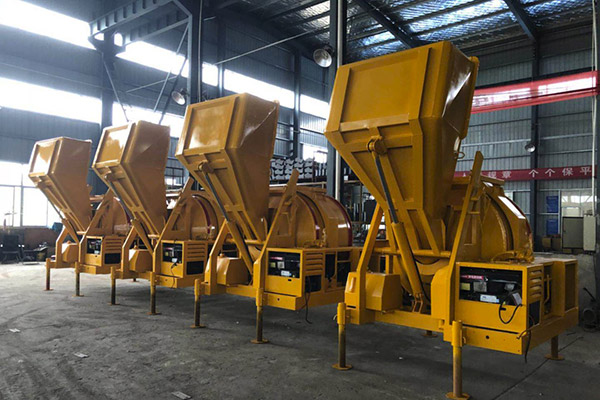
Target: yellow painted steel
column 100, row 245
column 398, row 121
column 95, row 225
column 131, row 159
column 236, row 137
column 227, row 145
column 58, row 167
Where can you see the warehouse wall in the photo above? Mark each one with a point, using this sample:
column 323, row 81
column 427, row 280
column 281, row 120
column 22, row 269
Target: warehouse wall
column 44, row 61
column 565, row 128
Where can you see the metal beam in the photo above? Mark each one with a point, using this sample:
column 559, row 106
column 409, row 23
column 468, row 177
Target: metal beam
column 124, row 14
column 395, row 29
column 153, row 28
column 523, row 19
column 225, row 3
column 278, row 34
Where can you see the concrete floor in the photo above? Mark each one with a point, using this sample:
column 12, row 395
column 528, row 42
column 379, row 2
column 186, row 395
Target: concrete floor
column 136, row 356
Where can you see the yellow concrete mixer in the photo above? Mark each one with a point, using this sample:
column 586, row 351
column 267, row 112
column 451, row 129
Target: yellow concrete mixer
column 457, row 257
column 94, row 226
column 293, row 243
column 171, row 234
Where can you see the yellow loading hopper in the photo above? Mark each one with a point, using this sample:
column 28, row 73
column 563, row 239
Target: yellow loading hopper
column 232, row 140
column 132, row 160
column 407, row 112
column 58, row 167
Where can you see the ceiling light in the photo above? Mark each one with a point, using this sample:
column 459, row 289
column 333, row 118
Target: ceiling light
column 323, row 56
column 179, row 96
column 530, row 147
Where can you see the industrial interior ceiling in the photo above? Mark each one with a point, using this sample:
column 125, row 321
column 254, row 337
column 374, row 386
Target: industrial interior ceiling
column 467, row 23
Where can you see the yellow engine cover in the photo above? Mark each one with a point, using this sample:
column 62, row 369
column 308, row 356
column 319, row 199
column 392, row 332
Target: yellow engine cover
column 384, row 291
column 70, row 252
column 231, row 271
column 140, row 260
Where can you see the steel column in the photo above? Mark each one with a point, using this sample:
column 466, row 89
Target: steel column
column 337, row 41
column 221, row 43
column 533, row 186
column 194, row 82
column 108, row 52
column 297, row 95
column 596, row 123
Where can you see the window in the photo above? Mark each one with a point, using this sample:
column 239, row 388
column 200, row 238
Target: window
column 319, row 154
column 576, row 203
column 165, row 60
column 35, row 19
column 174, row 177
column 45, row 100
column 310, row 105
column 21, row 204
column 41, row 21
column 10, row 205
column 239, row 83
column 175, row 122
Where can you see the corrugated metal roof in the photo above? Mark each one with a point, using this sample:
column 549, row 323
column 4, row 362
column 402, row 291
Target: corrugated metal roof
column 468, row 23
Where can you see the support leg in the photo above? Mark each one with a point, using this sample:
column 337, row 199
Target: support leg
column 197, row 297
column 134, row 280
column 429, row 334
column 48, row 276
column 457, row 343
column 153, row 294
column 259, row 319
column 259, row 327
column 113, row 286
column 341, row 320
column 77, row 281
column 554, row 356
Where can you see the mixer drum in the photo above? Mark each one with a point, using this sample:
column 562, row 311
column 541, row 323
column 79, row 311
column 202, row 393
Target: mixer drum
column 313, row 220
column 116, row 222
column 205, row 221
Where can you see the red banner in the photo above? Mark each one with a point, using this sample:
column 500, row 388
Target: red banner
column 536, row 92
column 554, row 173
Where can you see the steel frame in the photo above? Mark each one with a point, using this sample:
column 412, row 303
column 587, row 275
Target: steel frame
column 523, row 19
column 395, row 28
